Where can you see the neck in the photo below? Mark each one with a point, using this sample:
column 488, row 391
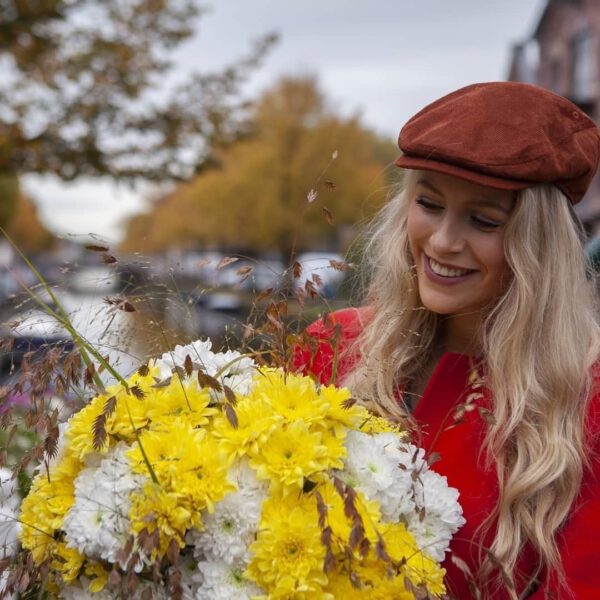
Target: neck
column 461, row 334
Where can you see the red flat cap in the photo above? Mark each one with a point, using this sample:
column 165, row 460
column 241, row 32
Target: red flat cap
column 504, row 135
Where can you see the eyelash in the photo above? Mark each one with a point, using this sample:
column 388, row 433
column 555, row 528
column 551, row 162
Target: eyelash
column 478, row 221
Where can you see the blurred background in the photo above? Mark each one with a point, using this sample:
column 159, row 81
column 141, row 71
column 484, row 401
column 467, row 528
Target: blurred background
column 189, row 156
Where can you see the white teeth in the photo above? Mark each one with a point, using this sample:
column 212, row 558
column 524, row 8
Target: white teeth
column 439, row 269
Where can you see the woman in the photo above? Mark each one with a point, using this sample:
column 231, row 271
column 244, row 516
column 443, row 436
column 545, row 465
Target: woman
column 481, row 327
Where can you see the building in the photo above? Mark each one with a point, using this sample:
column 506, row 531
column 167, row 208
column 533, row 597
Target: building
column 563, row 55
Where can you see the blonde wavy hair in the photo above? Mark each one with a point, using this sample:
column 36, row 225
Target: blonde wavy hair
column 539, row 343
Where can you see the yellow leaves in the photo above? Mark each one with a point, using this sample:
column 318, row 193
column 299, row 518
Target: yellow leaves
column 25, row 227
column 258, row 199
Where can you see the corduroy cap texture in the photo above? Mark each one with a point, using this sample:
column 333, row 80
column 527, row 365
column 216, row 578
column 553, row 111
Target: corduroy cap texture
column 504, row 135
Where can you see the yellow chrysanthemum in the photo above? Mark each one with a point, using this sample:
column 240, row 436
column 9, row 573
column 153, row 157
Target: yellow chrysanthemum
column 145, row 380
column 186, row 461
column 418, row 565
column 131, row 410
column 373, row 573
column 169, row 450
column 158, row 510
column 254, row 423
column 67, row 562
column 374, row 424
column 340, row 586
column 44, row 508
column 288, row 554
column 130, row 414
column 341, row 525
column 79, row 437
column 99, row 576
column 340, row 416
column 180, row 399
column 336, row 450
column 290, row 455
column 205, row 481
column 291, row 397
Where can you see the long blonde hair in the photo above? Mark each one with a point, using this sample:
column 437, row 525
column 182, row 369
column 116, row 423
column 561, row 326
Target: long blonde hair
column 539, row 343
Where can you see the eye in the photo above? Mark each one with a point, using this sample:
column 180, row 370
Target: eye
column 485, row 223
column 428, row 204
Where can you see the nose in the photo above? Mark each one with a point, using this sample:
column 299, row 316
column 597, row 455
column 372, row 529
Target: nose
column 448, row 236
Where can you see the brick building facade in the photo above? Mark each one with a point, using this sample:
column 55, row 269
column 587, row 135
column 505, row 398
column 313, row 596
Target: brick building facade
column 563, row 55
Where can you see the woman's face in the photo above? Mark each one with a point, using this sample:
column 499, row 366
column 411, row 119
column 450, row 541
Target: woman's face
column 456, row 235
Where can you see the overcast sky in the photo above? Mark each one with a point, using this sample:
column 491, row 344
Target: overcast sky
column 383, row 58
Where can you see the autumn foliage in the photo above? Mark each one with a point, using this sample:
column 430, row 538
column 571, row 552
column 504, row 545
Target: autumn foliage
column 304, row 176
column 26, row 229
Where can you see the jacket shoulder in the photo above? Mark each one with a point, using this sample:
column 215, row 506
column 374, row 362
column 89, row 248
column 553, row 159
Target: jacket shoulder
column 593, row 408
column 346, row 323
column 325, row 349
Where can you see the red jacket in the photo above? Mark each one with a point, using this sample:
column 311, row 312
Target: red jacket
column 459, row 441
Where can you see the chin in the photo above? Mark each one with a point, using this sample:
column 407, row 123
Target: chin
column 440, row 306
column 440, row 310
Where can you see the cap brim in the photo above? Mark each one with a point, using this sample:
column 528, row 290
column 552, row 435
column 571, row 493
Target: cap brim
column 427, row 164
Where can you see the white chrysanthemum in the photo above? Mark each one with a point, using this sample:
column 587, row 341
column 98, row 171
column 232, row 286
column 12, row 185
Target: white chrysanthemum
column 9, row 530
column 158, row 592
column 441, row 517
column 372, row 468
column 220, row 581
column 98, row 523
column 9, row 494
column 232, row 527
column 245, row 480
column 189, row 578
column 199, row 351
column 408, row 455
column 60, row 447
column 3, row 581
column 80, row 591
column 235, row 370
column 48, row 462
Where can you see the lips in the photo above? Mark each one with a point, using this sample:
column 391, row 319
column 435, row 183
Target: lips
column 447, row 271
column 445, row 275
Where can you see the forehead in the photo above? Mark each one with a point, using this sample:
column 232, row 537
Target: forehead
column 456, row 189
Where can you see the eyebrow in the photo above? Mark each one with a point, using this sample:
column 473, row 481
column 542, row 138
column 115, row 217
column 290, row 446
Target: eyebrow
column 426, row 183
column 474, row 202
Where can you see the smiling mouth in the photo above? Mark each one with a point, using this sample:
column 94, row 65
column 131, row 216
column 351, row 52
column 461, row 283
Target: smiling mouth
column 444, row 271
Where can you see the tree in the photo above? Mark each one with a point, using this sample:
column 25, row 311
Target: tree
column 9, row 197
column 261, row 197
column 82, row 90
column 26, row 229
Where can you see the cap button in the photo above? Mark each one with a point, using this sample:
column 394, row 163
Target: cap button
column 576, row 114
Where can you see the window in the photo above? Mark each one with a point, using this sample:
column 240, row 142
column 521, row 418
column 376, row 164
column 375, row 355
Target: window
column 583, row 65
column 554, row 76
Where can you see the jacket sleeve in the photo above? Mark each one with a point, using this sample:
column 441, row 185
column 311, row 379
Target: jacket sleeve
column 579, row 540
column 326, row 351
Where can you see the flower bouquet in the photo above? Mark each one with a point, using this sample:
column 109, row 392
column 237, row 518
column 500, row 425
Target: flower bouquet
column 204, row 476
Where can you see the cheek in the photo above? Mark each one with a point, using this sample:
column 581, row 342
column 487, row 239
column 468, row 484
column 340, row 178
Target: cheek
column 494, row 260
column 416, row 227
